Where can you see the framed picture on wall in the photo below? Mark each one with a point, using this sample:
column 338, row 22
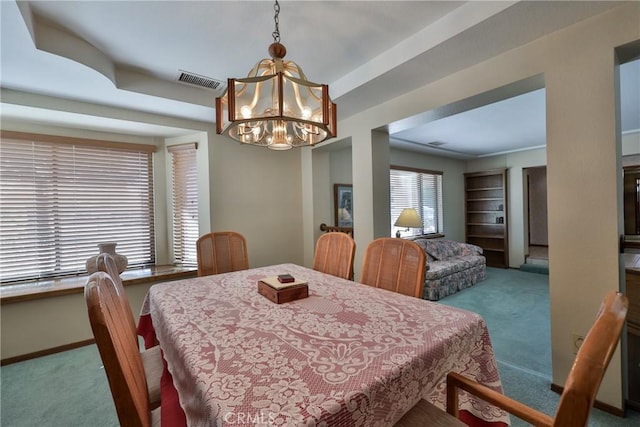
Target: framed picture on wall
column 343, row 205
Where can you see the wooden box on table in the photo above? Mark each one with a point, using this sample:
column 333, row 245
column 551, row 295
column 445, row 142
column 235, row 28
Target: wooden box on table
column 279, row 293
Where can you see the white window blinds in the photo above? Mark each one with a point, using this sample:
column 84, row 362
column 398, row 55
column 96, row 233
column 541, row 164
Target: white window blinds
column 184, row 202
column 60, row 197
column 421, row 190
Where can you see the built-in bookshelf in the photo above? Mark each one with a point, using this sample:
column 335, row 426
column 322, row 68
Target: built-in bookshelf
column 486, row 214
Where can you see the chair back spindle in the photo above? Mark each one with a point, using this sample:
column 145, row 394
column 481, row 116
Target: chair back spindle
column 334, row 254
column 394, row 264
column 221, row 252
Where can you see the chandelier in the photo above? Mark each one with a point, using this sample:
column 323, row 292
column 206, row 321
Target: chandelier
column 275, row 105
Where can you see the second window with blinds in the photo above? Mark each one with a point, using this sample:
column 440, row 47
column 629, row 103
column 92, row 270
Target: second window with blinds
column 184, row 201
column 421, row 190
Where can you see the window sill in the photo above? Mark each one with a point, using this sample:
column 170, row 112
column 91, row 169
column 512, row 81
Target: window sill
column 428, row 236
column 71, row 285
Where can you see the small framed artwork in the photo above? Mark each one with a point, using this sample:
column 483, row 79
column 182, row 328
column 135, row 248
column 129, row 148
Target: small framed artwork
column 343, row 205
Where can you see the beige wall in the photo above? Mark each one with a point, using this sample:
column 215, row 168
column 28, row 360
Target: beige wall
column 41, row 324
column 582, row 164
column 258, row 192
column 583, row 169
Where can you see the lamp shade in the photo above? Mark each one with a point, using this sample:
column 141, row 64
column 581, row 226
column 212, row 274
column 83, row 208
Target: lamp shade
column 409, row 218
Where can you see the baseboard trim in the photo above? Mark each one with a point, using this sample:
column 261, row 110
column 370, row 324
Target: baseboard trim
column 597, row 404
column 633, row 405
column 46, row 352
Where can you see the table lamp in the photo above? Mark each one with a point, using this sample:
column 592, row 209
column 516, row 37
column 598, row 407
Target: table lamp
column 408, row 218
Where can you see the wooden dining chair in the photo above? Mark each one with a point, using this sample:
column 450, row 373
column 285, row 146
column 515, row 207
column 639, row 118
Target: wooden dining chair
column 396, row 265
column 151, row 357
column 119, row 352
column 334, row 254
column 221, row 252
column 579, row 391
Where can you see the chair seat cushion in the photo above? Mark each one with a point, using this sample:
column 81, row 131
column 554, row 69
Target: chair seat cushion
column 427, row 414
column 152, row 362
column 156, row 418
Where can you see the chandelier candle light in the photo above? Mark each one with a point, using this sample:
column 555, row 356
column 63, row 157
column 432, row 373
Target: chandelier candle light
column 276, row 106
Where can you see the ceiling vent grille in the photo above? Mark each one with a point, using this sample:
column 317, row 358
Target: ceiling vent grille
column 201, row 81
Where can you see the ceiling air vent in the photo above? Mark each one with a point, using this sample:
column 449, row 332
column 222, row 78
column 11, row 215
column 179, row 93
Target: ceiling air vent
column 201, row 81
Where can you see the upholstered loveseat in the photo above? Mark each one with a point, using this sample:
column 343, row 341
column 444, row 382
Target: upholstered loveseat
column 451, row 266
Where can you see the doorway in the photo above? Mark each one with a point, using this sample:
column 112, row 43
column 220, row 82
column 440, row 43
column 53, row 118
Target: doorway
column 537, row 242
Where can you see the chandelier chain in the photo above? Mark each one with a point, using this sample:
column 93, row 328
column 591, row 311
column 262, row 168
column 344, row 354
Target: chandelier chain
column 276, row 33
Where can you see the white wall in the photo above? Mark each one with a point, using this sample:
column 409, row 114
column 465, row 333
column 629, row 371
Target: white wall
column 631, row 143
column 340, row 168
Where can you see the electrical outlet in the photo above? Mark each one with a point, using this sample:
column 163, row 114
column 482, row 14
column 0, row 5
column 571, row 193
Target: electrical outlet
column 576, row 340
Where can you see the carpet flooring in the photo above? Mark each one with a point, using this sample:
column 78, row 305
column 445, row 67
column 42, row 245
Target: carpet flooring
column 515, row 306
column 70, row 388
column 535, row 268
column 63, row 389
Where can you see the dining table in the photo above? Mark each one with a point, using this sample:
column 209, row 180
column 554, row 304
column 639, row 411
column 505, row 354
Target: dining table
column 347, row 355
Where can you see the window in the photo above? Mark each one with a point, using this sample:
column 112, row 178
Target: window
column 184, row 179
column 421, row 190
column 60, row 197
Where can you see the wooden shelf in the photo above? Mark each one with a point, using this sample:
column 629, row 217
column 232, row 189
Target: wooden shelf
column 485, row 203
column 484, row 189
column 487, row 236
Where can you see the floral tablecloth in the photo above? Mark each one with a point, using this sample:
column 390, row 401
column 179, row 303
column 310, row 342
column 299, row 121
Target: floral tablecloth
column 348, row 355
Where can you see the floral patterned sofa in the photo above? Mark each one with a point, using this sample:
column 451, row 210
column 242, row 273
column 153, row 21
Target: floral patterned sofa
column 451, row 267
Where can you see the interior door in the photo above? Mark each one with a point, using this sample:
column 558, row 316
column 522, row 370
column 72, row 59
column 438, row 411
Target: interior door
column 537, row 206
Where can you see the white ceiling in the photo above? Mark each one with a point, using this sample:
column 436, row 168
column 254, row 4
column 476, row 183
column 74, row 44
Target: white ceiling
column 128, row 54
